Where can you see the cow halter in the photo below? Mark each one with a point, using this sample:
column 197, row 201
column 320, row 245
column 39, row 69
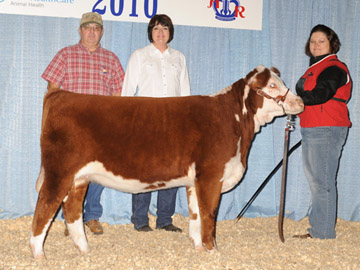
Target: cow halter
column 276, row 99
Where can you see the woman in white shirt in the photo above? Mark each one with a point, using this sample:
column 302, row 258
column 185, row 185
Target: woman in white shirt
column 156, row 71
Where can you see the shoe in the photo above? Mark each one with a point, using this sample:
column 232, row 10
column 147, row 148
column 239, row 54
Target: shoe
column 95, row 226
column 145, row 228
column 66, row 231
column 170, row 228
column 302, row 236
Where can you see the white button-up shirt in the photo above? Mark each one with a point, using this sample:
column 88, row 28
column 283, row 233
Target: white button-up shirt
column 154, row 74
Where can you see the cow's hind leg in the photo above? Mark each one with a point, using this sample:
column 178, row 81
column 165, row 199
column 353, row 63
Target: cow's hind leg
column 49, row 201
column 73, row 214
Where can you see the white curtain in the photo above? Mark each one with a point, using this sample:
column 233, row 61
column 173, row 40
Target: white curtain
column 215, row 58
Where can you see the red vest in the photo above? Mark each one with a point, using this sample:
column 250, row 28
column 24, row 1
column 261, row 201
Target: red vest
column 332, row 112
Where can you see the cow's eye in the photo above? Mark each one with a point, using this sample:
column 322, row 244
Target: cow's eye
column 272, row 85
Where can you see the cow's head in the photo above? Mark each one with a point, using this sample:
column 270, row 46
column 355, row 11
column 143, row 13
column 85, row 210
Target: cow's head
column 277, row 99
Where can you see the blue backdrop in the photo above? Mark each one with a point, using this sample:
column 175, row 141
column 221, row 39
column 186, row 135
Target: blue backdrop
column 215, row 58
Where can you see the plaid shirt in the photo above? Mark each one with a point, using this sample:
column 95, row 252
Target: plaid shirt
column 75, row 69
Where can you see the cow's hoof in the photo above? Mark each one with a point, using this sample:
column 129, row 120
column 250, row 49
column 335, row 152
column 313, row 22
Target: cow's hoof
column 214, row 250
column 39, row 257
column 211, row 249
column 84, row 250
column 200, row 248
column 84, row 253
column 38, row 254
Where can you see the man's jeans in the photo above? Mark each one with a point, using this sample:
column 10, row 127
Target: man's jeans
column 165, row 208
column 321, row 151
column 92, row 206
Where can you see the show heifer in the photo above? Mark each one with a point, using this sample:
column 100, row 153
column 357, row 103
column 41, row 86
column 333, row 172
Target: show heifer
column 139, row 144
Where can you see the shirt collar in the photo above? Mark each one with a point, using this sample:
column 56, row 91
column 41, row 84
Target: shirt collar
column 315, row 59
column 155, row 50
column 86, row 49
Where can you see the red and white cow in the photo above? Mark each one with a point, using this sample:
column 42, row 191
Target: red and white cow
column 140, row 144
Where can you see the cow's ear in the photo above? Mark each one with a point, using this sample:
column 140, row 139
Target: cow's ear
column 275, row 70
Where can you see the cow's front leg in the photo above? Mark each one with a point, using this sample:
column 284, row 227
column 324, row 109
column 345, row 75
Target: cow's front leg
column 73, row 214
column 194, row 215
column 208, row 192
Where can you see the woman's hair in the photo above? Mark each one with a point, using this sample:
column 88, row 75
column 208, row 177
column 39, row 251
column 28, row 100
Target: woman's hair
column 331, row 36
column 164, row 20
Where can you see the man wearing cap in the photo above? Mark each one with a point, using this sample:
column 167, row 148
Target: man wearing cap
column 87, row 68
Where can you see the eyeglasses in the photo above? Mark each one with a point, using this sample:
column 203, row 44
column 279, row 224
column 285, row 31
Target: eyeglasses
column 95, row 28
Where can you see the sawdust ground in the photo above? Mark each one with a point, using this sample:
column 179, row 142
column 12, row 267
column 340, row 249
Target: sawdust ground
column 252, row 243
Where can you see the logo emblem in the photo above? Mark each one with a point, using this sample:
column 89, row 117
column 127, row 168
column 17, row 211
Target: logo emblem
column 227, row 10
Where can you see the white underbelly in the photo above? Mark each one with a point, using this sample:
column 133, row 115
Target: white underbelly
column 96, row 172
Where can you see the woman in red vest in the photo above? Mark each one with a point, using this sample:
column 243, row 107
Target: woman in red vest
column 325, row 89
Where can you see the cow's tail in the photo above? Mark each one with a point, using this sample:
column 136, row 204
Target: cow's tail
column 46, row 106
column 40, row 179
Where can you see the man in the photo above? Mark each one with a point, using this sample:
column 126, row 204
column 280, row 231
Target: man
column 156, row 71
column 87, row 68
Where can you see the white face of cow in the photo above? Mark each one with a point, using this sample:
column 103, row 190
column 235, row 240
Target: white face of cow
column 278, row 99
column 292, row 103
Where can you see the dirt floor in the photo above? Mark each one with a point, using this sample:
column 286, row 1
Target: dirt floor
column 249, row 244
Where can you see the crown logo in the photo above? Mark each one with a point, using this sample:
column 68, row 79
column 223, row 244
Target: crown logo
column 229, row 10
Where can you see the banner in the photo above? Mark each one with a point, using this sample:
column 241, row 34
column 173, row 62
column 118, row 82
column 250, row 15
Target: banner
column 240, row 14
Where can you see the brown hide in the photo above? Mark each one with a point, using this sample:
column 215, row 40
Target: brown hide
column 150, row 139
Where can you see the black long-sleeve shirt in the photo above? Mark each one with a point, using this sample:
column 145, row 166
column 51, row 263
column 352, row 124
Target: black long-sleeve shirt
column 327, row 83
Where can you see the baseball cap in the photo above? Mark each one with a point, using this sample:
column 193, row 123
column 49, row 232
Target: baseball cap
column 91, row 17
